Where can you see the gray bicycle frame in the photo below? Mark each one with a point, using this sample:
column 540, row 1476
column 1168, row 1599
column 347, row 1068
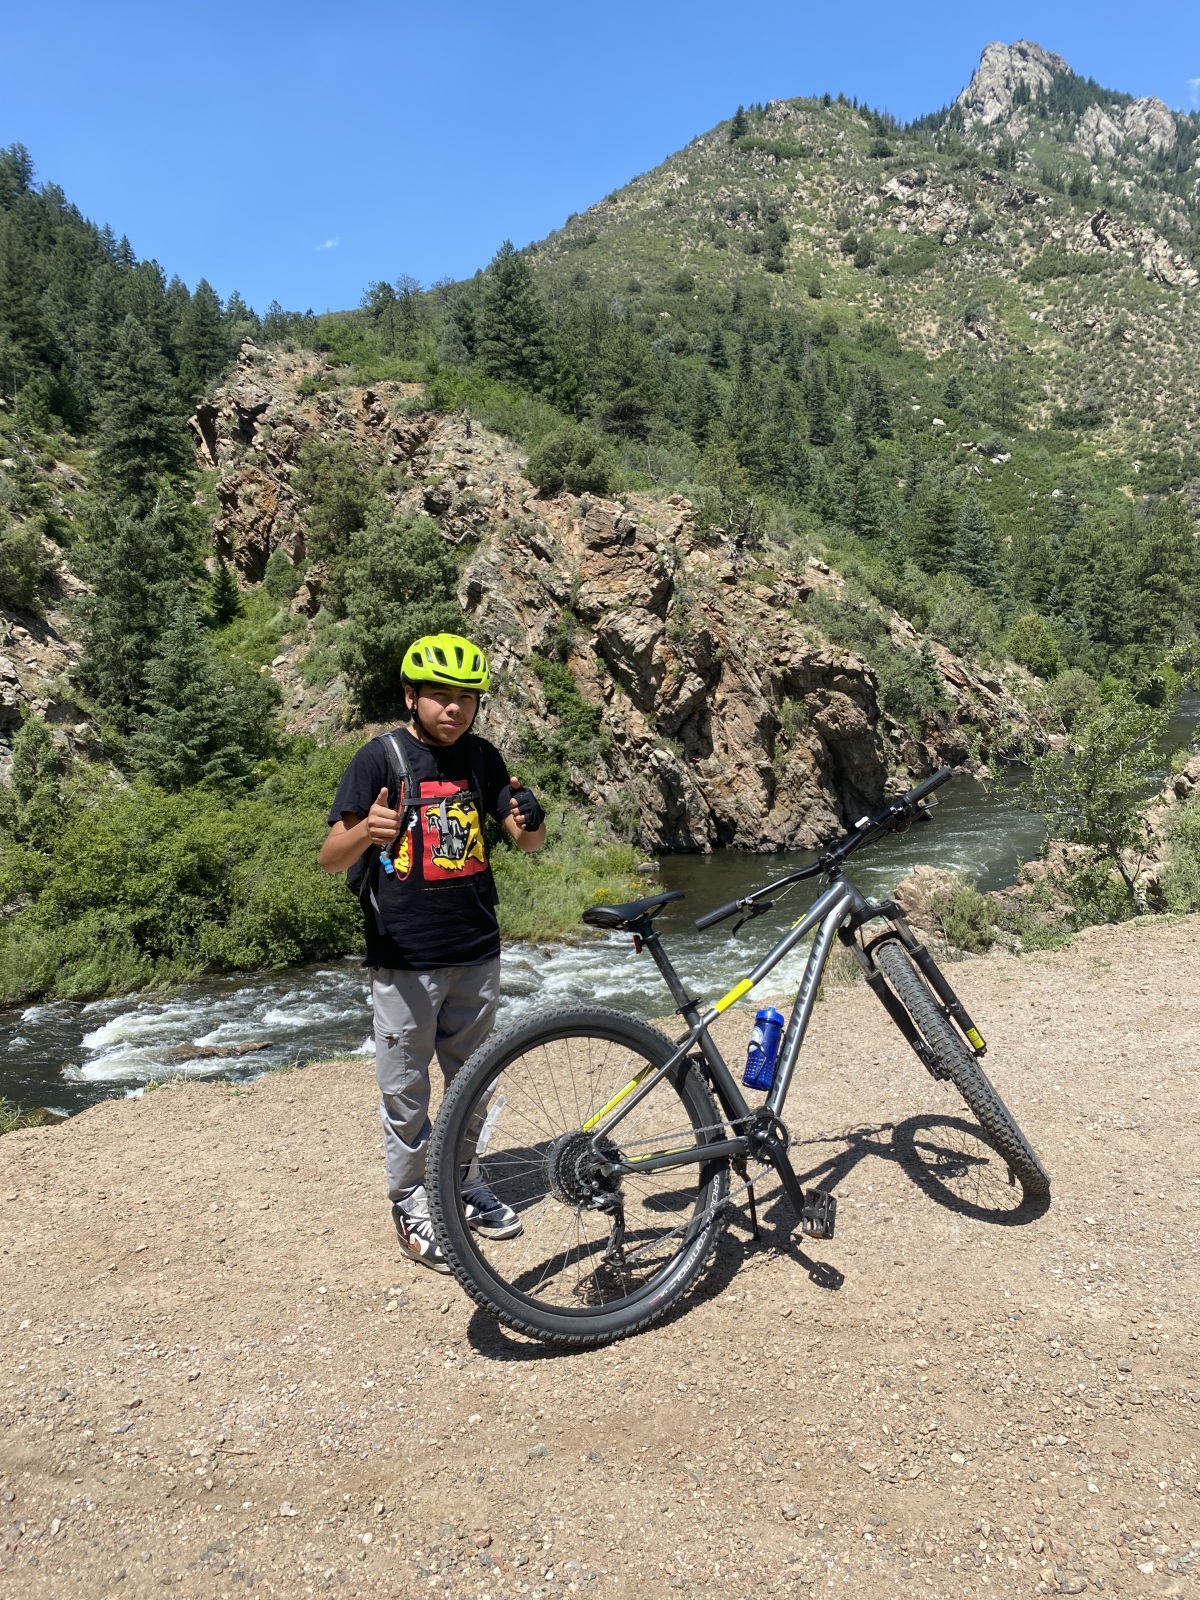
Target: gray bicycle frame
column 840, row 901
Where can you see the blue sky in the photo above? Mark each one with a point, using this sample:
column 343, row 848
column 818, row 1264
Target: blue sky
column 297, row 151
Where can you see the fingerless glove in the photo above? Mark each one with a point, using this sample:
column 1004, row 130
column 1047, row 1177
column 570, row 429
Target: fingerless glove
column 530, row 808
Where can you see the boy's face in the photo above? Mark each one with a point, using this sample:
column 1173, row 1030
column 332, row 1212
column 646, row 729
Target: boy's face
column 444, row 714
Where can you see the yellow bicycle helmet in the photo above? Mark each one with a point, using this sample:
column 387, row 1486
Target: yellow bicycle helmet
column 449, row 659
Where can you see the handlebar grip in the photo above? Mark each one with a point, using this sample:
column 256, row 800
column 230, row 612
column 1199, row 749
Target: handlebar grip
column 915, row 796
column 711, row 918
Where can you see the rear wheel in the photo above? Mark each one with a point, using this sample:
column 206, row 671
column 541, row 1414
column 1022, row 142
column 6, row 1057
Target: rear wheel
column 599, row 1256
column 956, row 1063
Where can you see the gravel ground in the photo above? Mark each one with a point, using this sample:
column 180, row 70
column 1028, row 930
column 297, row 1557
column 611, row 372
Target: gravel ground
column 218, row 1379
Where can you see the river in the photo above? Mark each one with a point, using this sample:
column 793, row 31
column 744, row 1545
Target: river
column 66, row 1055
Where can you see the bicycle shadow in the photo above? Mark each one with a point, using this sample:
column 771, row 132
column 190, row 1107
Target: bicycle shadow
column 945, row 1156
column 488, row 1338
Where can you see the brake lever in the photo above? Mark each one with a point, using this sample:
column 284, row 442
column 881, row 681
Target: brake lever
column 758, row 909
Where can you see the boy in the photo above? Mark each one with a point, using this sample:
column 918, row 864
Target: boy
column 429, row 905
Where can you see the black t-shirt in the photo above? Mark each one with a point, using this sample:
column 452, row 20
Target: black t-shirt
column 438, row 908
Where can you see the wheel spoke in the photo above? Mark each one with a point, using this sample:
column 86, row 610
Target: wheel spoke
column 540, row 1161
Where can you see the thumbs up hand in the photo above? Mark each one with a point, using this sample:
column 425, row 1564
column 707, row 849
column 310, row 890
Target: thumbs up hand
column 382, row 820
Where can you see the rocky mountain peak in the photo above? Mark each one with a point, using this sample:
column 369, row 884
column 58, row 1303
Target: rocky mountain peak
column 1002, row 69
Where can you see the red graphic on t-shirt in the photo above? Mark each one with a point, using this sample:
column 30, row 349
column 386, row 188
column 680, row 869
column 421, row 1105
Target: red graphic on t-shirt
column 452, row 838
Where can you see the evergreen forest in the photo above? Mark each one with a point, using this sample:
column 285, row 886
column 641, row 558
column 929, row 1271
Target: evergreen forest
column 986, row 428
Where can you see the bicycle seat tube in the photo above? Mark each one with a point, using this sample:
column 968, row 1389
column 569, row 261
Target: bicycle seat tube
column 723, row 1080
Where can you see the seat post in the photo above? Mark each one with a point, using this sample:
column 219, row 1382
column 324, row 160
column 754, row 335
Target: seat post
column 647, row 933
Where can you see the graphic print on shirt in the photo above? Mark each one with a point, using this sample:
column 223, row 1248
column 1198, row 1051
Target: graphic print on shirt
column 451, row 832
column 402, row 860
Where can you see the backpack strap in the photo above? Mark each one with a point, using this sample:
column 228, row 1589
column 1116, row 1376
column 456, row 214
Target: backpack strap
column 364, row 874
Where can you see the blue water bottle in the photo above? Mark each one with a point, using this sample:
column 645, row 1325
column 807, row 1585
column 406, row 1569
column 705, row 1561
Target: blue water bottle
column 764, row 1048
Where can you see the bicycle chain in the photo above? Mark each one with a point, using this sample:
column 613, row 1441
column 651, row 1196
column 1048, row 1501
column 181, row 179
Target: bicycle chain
column 713, row 1210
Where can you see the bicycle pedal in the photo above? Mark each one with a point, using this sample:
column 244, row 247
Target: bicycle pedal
column 818, row 1214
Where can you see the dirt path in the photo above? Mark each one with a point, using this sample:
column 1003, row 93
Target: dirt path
column 217, row 1379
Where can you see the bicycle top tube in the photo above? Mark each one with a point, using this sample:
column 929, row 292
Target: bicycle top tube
column 838, row 901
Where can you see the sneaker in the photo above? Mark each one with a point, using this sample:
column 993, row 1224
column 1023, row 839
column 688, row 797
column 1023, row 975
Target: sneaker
column 488, row 1214
column 415, row 1231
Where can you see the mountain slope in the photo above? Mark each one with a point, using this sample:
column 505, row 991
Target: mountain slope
column 1007, row 232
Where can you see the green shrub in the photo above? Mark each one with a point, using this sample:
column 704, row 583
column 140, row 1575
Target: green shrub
column 1055, row 262
column 965, row 916
column 1031, row 643
column 337, row 489
column 12, row 1118
column 1074, row 694
column 544, row 894
column 26, row 566
column 137, row 886
column 1181, row 871
column 853, row 621
column 910, row 685
column 964, row 620
column 569, row 458
column 395, row 582
column 130, row 886
column 281, row 579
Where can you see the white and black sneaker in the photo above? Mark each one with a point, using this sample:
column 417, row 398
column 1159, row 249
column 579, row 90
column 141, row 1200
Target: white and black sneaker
column 486, row 1213
column 415, row 1230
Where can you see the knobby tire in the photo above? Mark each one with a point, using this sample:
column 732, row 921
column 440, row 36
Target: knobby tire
column 543, row 1077
column 962, row 1069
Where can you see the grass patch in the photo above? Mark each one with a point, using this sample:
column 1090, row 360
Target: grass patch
column 543, row 895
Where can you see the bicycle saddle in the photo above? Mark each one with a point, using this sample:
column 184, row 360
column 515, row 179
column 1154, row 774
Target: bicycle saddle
column 632, row 911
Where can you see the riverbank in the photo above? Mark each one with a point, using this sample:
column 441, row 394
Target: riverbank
column 69, row 1054
column 222, row 1377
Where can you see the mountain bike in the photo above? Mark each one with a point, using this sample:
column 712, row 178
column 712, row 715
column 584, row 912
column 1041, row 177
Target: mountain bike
column 614, row 1144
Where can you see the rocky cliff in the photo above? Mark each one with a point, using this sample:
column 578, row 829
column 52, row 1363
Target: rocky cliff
column 724, row 716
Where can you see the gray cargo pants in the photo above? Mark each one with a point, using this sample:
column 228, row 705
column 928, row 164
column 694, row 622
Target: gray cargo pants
column 448, row 1013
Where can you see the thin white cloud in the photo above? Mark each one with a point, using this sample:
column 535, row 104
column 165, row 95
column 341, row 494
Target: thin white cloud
column 1194, row 85
column 329, row 244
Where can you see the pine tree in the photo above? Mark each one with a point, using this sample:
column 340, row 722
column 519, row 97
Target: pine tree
column 870, row 512
column 626, row 381
column 718, row 358
column 821, row 421
column 24, row 334
column 224, row 602
column 705, row 418
column 824, row 493
column 379, row 302
column 204, row 722
column 786, row 460
column 511, row 329
column 451, row 351
column 739, row 125
column 744, row 414
column 933, row 523
column 202, row 342
column 974, row 553
column 141, row 433
column 137, row 562
column 1165, row 576
column 914, row 472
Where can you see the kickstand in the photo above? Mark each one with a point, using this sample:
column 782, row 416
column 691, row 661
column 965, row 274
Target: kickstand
column 750, row 1205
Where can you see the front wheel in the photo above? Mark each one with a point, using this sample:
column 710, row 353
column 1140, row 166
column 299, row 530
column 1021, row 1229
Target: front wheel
column 956, row 1063
column 600, row 1254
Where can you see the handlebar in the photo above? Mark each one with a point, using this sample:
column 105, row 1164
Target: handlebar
column 866, row 832
column 711, row 918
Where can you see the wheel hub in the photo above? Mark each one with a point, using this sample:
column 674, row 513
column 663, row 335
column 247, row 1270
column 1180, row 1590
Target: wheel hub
column 572, row 1167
